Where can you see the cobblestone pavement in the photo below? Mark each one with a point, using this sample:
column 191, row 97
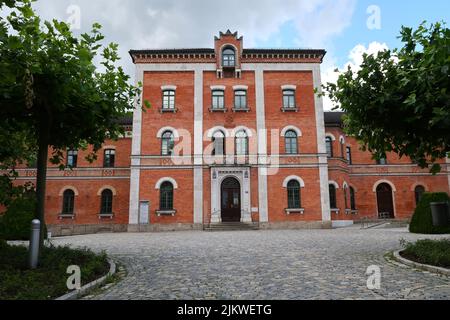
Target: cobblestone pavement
column 294, row 264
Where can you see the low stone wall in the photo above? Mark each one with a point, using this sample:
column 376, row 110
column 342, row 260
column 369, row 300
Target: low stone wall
column 291, row 225
column 164, row 227
column 73, row 230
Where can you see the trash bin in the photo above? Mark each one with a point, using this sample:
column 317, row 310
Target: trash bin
column 440, row 213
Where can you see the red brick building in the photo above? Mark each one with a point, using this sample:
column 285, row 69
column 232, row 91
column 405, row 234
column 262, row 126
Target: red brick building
column 234, row 135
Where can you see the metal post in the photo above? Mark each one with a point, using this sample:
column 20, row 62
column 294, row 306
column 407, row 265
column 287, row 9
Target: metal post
column 34, row 243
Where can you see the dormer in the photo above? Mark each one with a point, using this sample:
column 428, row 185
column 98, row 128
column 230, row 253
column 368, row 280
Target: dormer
column 228, row 49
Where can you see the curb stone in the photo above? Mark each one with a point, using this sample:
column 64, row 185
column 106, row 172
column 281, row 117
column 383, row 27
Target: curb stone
column 434, row 269
column 95, row 284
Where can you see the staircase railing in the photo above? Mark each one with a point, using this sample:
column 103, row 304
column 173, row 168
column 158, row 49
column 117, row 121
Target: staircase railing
column 379, row 219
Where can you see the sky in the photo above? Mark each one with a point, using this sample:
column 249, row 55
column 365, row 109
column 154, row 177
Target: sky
column 345, row 28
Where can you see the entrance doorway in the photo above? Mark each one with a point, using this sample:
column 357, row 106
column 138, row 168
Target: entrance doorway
column 231, row 200
column 385, row 201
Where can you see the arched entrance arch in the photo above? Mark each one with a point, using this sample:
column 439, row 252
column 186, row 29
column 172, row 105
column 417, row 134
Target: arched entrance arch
column 385, row 201
column 228, row 187
column 231, row 204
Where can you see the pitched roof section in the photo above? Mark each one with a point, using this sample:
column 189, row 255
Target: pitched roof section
column 333, row 119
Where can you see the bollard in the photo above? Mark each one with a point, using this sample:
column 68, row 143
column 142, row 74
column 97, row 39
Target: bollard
column 34, row 243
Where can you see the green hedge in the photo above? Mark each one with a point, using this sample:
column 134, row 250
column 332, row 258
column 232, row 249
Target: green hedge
column 48, row 281
column 15, row 224
column 422, row 220
column 432, row 252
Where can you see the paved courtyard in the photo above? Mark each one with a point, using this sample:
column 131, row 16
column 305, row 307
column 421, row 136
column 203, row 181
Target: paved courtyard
column 294, row 264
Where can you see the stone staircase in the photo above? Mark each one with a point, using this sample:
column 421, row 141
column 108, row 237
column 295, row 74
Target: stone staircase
column 382, row 223
column 231, row 226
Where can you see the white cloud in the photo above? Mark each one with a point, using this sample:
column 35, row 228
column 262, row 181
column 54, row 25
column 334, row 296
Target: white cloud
column 140, row 24
column 355, row 56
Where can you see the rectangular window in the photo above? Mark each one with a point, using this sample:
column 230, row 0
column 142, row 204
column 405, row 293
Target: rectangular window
column 349, row 155
column 72, row 158
column 169, row 100
column 289, row 99
column 218, row 99
column 109, row 158
column 294, row 198
column 329, row 146
column 382, row 162
column 240, row 99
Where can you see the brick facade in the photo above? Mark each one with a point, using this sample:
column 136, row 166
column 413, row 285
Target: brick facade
column 187, row 188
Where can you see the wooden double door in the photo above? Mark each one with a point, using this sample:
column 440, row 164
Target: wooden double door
column 231, row 200
column 385, row 201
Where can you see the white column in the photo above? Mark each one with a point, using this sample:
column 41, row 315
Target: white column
column 136, row 153
column 198, row 146
column 323, row 160
column 262, row 146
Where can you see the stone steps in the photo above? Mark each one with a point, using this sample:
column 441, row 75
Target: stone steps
column 231, row 226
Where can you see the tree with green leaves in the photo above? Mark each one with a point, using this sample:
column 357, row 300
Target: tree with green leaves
column 52, row 95
column 399, row 101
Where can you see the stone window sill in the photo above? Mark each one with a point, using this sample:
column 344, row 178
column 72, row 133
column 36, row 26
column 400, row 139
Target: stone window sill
column 283, row 109
column 160, row 213
column 223, row 110
column 106, row 215
column 242, row 109
column 162, row 110
column 67, row 216
column 336, row 211
column 293, row 211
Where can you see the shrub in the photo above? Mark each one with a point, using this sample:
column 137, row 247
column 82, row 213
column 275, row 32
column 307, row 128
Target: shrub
column 422, row 220
column 432, row 252
column 16, row 222
column 48, row 281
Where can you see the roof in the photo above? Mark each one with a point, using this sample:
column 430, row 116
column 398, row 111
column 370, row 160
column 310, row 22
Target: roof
column 126, row 120
column 333, row 118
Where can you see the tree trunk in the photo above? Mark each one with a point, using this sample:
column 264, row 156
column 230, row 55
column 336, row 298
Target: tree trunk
column 42, row 160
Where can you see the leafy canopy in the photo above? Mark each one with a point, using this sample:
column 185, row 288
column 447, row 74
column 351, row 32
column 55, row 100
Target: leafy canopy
column 399, row 101
column 49, row 76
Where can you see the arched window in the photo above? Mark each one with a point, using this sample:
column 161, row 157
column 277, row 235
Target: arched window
column 345, row 197
column 228, row 58
column 167, row 143
column 218, row 99
column 352, row 199
column 240, row 99
column 109, row 158
column 329, row 145
column 291, row 143
column 342, row 150
column 166, row 196
column 219, row 143
column 168, row 100
column 68, row 202
column 294, row 196
column 289, row 99
column 106, row 205
column 418, row 192
column 241, row 143
column 333, row 204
